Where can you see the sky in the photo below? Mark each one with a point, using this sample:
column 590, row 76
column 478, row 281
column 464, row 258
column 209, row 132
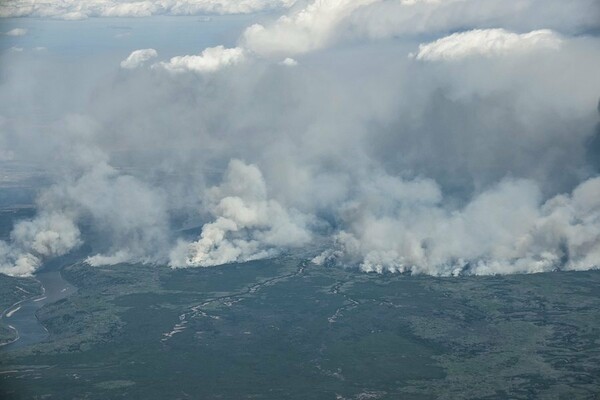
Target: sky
column 421, row 136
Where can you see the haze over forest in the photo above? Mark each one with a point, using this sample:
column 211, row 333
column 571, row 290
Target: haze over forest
column 423, row 136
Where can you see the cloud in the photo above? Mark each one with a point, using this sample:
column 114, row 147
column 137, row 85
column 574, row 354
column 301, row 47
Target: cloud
column 321, row 24
column 75, row 10
column 247, row 224
column 487, row 43
column 315, row 25
column 48, row 235
column 210, row 60
column 122, row 35
column 138, row 58
column 130, row 216
column 289, row 62
column 310, row 28
column 16, row 32
column 384, row 19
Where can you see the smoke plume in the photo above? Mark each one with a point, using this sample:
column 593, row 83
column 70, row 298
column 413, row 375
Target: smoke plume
column 441, row 138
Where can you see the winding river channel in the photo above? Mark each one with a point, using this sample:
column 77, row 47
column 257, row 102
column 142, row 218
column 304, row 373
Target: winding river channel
column 21, row 316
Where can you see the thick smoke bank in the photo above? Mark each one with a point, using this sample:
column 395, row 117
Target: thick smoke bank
column 128, row 215
column 247, row 226
column 506, row 229
column 473, row 152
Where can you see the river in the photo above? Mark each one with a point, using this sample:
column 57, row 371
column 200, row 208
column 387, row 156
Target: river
column 21, row 316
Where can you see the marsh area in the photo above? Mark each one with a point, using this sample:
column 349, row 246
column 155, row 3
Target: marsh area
column 285, row 328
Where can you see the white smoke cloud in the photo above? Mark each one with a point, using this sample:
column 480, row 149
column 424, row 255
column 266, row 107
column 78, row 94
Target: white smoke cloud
column 247, row 226
column 138, row 58
column 487, row 43
column 212, row 59
column 50, row 234
column 117, row 206
column 128, row 216
column 506, row 229
column 479, row 165
column 120, row 256
column 75, row 9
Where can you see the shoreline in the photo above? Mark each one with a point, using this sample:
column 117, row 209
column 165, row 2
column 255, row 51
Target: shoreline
column 14, row 308
column 7, row 313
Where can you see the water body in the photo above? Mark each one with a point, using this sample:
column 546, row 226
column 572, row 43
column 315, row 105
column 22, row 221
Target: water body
column 21, row 316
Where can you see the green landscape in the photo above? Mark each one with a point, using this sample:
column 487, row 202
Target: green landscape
column 285, row 328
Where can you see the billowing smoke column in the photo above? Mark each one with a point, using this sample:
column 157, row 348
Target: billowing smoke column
column 130, row 217
column 50, row 234
column 506, row 229
column 472, row 153
column 247, row 226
